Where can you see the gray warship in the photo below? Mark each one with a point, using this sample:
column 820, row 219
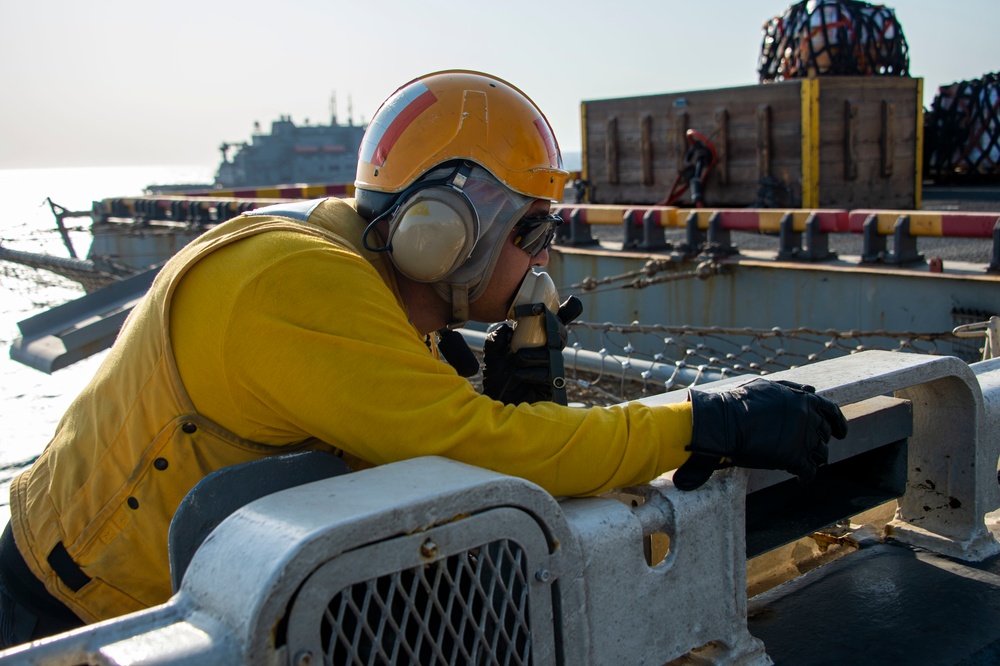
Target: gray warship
column 290, row 153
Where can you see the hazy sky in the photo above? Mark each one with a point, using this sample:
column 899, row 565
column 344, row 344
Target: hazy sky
column 122, row 82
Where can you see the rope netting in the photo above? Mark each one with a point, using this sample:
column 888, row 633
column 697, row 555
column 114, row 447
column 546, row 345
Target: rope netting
column 962, row 130
column 637, row 360
column 833, row 37
column 37, row 288
column 35, row 262
column 27, row 278
column 609, row 363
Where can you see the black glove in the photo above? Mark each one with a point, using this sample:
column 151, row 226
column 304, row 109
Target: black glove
column 456, row 351
column 532, row 374
column 761, row 425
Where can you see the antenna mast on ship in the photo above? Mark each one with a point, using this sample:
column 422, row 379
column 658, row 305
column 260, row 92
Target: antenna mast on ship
column 333, row 108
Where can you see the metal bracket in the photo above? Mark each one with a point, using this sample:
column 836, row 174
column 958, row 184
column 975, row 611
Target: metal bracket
column 817, row 241
column 694, row 237
column 994, row 266
column 904, row 244
column 719, row 241
column 632, row 235
column 577, row 232
column 79, row 328
column 643, row 230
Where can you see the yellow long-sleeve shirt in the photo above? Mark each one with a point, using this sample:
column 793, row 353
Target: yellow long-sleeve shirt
column 308, row 341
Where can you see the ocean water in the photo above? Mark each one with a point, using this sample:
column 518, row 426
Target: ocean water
column 32, row 402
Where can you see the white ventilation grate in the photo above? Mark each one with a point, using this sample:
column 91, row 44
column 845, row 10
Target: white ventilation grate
column 474, row 590
column 469, row 608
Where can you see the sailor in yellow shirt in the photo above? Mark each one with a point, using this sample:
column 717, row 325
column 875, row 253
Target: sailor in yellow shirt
column 312, row 325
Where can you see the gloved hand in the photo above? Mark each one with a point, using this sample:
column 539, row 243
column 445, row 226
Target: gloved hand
column 761, row 425
column 526, row 375
column 457, row 353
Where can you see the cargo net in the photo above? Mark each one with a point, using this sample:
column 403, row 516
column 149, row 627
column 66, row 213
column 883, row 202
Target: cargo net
column 35, row 274
column 833, row 37
column 962, row 131
column 35, row 278
column 469, row 608
column 606, row 363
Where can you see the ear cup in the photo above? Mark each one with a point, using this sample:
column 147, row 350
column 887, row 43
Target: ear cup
column 432, row 233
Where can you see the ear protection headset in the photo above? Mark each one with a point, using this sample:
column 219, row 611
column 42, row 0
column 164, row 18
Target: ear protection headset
column 433, row 227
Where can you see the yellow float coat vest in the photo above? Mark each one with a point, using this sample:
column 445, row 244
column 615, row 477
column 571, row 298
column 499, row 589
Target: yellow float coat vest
column 101, row 499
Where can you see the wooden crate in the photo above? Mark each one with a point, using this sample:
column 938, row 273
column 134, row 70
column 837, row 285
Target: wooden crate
column 834, row 142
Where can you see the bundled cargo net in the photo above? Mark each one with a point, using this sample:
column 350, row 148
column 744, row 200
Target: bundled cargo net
column 26, row 271
column 833, row 37
column 962, row 131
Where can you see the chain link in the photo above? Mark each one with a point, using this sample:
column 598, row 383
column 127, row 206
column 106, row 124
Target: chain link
column 646, row 276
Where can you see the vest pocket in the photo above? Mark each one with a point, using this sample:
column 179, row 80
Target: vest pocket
column 126, row 546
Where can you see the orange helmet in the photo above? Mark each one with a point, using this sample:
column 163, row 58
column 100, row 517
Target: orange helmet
column 461, row 115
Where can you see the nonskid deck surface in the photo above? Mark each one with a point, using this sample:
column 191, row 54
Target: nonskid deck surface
column 886, row 604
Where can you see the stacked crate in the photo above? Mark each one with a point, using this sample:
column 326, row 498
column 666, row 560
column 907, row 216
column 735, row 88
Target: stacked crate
column 839, row 141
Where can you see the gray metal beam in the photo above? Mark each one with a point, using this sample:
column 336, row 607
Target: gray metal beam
column 75, row 330
column 634, row 369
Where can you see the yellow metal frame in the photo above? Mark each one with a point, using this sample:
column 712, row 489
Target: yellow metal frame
column 918, row 159
column 584, row 166
column 809, row 93
column 921, row 223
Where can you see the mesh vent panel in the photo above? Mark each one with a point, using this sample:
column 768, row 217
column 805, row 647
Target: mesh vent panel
column 468, row 608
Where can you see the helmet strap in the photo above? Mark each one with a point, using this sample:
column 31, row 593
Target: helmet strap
column 459, row 305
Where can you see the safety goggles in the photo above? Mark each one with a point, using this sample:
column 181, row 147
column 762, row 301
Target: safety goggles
column 534, row 234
